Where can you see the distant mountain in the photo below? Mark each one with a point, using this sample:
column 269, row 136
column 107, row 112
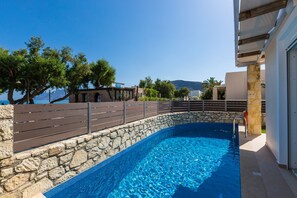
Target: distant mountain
column 58, row 93
column 54, row 95
column 16, row 95
column 189, row 84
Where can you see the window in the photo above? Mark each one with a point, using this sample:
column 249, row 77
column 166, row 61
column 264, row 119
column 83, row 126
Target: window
column 84, row 97
column 292, row 105
column 76, row 98
column 97, row 97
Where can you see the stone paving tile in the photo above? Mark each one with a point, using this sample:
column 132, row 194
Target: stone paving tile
column 260, row 174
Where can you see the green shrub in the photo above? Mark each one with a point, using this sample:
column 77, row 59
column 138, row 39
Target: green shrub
column 150, row 92
column 145, row 98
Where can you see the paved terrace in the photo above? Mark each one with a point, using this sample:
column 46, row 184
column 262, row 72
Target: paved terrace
column 261, row 177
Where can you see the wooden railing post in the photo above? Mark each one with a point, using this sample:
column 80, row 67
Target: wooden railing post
column 225, row 105
column 89, row 117
column 171, row 106
column 124, row 112
column 144, row 109
column 202, row 105
column 158, row 106
column 189, row 107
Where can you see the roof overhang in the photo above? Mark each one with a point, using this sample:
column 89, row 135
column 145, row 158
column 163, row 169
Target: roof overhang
column 255, row 22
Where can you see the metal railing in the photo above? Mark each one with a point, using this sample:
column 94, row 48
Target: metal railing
column 245, row 126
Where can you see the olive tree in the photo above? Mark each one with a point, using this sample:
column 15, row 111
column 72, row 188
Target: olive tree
column 31, row 71
column 102, row 74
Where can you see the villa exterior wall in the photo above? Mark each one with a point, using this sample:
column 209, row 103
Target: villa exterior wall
column 271, row 108
column 236, row 85
column 26, row 173
column 276, row 85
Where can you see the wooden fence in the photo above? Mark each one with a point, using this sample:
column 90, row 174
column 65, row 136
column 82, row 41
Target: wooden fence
column 36, row 125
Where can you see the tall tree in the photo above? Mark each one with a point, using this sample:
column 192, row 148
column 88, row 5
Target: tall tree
column 208, row 86
column 103, row 74
column 31, row 71
column 182, row 92
column 77, row 74
column 146, row 83
column 166, row 89
column 11, row 67
column 157, row 84
column 142, row 83
column 149, row 82
column 150, row 92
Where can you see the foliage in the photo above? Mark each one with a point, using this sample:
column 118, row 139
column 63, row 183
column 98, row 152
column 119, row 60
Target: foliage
column 146, row 83
column 208, row 86
column 142, row 83
column 150, row 92
column 157, row 84
column 221, row 94
column 145, row 98
column 33, row 70
column 183, row 92
column 206, row 95
column 102, row 74
column 165, row 88
column 77, row 73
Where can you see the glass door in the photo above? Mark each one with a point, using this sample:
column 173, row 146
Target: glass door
column 292, row 106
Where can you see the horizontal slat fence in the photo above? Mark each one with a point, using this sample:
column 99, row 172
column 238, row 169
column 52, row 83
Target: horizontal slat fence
column 263, row 106
column 180, row 106
column 214, row 105
column 36, row 125
column 105, row 115
column 196, row 105
column 151, row 108
column 134, row 111
column 40, row 124
column 164, row 107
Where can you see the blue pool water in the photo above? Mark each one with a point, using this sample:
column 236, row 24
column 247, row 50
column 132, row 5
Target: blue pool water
column 192, row 160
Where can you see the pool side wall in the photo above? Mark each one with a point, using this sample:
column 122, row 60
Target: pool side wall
column 37, row 170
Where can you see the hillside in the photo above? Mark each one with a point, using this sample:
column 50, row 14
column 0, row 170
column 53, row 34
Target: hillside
column 42, row 97
column 54, row 95
column 189, row 84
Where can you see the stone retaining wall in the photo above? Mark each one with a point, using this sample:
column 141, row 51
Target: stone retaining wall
column 26, row 173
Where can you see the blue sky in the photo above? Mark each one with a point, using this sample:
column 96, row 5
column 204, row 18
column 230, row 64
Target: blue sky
column 167, row 39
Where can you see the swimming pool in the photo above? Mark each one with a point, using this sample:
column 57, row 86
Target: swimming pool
column 190, row 160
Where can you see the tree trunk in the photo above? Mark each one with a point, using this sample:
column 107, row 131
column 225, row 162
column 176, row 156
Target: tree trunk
column 10, row 96
column 31, row 101
column 36, row 92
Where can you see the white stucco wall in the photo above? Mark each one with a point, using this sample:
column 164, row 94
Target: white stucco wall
column 271, row 95
column 236, row 85
column 276, row 86
column 195, row 93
